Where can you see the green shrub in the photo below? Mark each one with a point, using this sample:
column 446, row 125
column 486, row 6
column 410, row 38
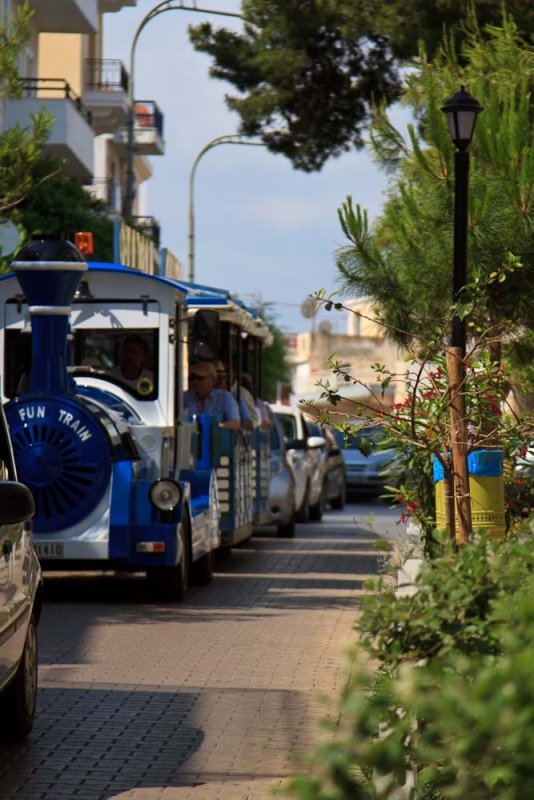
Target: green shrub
column 452, row 700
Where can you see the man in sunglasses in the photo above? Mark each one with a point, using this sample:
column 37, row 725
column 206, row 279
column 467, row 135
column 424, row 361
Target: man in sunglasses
column 203, row 397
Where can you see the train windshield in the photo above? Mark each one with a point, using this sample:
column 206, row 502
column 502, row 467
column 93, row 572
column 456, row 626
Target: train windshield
column 127, row 357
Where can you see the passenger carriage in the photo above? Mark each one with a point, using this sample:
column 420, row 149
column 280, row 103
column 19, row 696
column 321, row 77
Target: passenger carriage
column 224, row 329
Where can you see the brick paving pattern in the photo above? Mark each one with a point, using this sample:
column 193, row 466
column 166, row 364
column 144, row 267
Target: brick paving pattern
column 211, row 699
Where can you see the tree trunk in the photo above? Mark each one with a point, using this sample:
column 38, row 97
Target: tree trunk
column 456, row 386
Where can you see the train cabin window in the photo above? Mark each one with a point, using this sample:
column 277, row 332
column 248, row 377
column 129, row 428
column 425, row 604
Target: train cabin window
column 129, row 357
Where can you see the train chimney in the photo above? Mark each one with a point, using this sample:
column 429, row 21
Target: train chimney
column 49, row 270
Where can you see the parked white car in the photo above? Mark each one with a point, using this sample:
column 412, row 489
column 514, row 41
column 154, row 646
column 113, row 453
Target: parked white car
column 302, row 455
column 20, row 599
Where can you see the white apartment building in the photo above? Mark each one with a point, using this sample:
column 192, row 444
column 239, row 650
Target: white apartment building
column 62, row 68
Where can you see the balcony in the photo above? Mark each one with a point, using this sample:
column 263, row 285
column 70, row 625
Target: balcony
column 72, row 135
column 148, row 129
column 149, row 226
column 106, row 93
column 65, row 16
column 115, row 5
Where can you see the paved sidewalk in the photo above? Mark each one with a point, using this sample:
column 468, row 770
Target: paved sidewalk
column 204, row 700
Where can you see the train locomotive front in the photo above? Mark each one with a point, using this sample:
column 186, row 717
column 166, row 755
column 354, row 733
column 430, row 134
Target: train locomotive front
column 107, row 484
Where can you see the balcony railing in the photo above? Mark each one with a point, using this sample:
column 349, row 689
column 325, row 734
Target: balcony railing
column 53, row 87
column 148, row 115
column 149, row 226
column 105, row 75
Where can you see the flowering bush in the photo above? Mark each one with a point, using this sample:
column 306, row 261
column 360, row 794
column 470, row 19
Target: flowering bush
column 419, row 424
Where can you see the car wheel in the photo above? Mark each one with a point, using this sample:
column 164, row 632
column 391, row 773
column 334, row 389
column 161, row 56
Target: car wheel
column 287, row 529
column 170, row 584
column 317, row 511
column 338, row 502
column 17, row 704
column 303, row 514
column 203, row 569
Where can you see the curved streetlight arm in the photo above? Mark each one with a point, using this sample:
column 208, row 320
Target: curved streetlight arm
column 229, row 138
column 159, row 8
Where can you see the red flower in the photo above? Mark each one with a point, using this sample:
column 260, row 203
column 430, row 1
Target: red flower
column 429, row 395
column 413, row 506
column 403, row 517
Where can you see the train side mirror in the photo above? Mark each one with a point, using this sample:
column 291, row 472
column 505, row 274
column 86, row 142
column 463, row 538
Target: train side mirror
column 205, row 336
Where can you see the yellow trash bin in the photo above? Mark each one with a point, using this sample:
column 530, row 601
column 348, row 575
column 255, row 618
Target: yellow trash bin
column 486, row 486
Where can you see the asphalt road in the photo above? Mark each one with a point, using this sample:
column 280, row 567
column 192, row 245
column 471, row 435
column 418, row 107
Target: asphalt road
column 208, row 699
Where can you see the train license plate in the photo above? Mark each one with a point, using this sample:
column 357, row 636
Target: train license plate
column 48, row 549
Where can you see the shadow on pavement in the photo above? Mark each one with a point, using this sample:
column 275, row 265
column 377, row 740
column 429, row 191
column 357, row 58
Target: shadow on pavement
column 90, row 744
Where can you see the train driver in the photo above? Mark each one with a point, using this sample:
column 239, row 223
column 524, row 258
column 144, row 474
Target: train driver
column 203, row 397
column 132, row 368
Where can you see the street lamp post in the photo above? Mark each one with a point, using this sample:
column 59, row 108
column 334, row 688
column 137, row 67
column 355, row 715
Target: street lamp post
column 461, row 110
column 229, row 138
column 159, row 8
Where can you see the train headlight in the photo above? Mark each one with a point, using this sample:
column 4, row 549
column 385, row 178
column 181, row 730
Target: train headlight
column 165, row 495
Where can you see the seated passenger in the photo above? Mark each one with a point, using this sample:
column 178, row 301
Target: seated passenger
column 248, row 420
column 246, row 392
column 132, row 369
column 203, row 397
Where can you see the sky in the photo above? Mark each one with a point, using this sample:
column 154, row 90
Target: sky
column 262, row 227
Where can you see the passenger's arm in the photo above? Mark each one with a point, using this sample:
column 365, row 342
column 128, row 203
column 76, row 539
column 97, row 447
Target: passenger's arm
column 231, row 419
column 231, row 424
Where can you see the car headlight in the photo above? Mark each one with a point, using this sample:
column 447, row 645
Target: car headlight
column 165, row 495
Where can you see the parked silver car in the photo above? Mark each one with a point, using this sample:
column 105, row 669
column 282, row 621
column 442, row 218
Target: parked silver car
column 372, row 471
column 333, row 467
column 20, row 599
column 301, row 447
column 282, row 503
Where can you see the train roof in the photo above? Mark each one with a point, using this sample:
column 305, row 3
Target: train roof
column 197, row 296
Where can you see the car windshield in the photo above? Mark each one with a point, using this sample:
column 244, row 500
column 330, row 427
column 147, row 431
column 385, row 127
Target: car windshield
column 289, row 426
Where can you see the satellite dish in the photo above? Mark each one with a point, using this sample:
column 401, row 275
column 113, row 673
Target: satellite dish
column 9, row 237
column 325, row 326
column 308, row 308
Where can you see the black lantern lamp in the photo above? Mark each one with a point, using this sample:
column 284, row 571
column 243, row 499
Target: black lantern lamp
column 462, row 110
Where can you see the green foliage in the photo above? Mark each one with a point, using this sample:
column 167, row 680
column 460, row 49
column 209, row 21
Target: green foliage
column 404, row 263
column 309, row 70
column 451, row 703
column 20, row 148
column 63, row 206
column 307, row 73
column 13, row 34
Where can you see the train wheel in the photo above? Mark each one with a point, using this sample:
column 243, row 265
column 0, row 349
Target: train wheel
column 170, row 584
column 17, row 704
column 203, row 569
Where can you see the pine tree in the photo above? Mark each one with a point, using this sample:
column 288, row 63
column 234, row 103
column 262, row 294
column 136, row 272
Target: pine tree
column 404, row 262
